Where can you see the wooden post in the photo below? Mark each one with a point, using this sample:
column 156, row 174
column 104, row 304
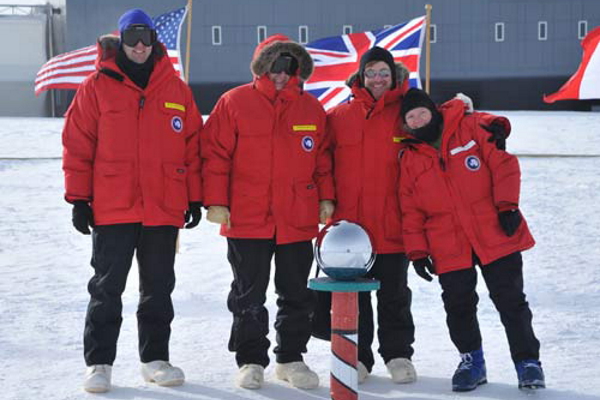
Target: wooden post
column 427, row 47
column 188, row 41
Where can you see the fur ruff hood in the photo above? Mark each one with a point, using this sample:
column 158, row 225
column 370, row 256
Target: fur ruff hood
column 268, row 51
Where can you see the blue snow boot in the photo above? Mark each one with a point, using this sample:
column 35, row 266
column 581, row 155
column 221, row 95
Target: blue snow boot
column 470, row 373
column 530, row 374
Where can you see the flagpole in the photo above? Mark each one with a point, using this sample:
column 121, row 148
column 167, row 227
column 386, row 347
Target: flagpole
column 427, row 47
column 188, row 41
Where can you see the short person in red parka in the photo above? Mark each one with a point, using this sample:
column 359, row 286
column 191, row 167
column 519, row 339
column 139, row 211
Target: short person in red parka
column 459, row 196
column 267, row 173
column 132, row 171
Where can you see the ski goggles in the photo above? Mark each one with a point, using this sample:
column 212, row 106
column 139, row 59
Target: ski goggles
column 138, row 33
column 383, row 73
column 285, row 63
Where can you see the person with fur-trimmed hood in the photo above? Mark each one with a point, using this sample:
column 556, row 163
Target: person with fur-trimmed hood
column 132, row 172
column 366, row 138
column 268, row 182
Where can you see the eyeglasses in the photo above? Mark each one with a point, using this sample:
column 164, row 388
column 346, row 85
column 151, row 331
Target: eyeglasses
column 134, row 34
column 284, row 63
column 383, row 73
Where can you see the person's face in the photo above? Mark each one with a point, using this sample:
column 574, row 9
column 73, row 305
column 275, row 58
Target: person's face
column 279, row 79
column 418, row 117
column 378, row 78
column 139, row 53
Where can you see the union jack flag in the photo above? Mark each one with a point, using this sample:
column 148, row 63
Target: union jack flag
column 336, row 58
column 68, row 70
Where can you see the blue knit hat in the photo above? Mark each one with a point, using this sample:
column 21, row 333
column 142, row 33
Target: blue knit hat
column 135, row 16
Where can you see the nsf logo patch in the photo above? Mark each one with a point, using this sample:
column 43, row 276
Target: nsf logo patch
column 472, row 163
column 308, row 143
column 177, row 124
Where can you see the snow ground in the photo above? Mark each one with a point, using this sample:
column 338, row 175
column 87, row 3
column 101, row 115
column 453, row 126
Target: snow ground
column 44, row 266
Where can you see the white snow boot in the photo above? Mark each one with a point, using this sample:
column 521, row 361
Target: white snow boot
column 402, row 370
column 97, row 378
column 250, row 376
column 298, row 374
column 363, row 372
column 162, row 373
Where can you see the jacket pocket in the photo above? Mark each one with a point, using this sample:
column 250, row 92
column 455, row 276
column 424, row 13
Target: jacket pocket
column 175, row 186
column 392, row 221
column 487, row 226
column 305, row 206
column 113, row 185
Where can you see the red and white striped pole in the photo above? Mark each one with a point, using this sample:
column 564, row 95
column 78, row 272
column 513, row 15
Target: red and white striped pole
column 344, row 346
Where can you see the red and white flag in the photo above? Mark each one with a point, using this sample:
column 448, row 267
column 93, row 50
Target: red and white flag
column 585, row 83
column 68, row 70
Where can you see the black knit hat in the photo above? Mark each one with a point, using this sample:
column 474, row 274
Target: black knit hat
column 415, row 98
column 377, row 54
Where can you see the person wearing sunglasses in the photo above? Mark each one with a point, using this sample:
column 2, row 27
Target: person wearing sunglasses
column 132, row 173
column 267, row 178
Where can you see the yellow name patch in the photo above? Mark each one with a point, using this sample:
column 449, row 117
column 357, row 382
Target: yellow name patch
column 175, row 106
column 398, row 139
column 304, row 128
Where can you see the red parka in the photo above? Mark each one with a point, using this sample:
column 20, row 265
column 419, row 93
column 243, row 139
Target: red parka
column 450, row 198
column 265, row 155
column 366, row 138
column 133, row 153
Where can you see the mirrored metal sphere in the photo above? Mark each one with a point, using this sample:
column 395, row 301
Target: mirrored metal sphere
column 343, row 250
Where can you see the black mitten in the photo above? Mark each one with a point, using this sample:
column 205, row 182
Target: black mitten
column 194, row 213
column 510, row 221
column 82, row 216
column 422, row 267
column 498, row 134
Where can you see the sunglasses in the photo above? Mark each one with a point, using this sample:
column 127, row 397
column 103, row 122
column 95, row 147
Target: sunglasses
column 135, row 34
column 383, row 73
column 286, row 64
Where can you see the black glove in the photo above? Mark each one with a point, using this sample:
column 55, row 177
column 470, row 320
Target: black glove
column 83, row 217
column 510, row 221
column 422, row 266
column 194, row 213
column 498, row 134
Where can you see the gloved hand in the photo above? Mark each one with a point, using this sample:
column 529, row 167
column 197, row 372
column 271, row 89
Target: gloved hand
column 467, row 100
column 82, row 216
column 326, row 209
column 219, row 215
column 498, row 134
column 510, row 221
column 194, row 213
column 422, row 266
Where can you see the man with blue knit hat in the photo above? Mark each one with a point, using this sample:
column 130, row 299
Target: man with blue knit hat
column 132, row 173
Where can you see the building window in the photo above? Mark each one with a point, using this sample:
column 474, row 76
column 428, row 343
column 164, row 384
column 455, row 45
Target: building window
column 303, row 34
column 542, row 30
column 499, row 31
column 432, row 33
column 261, row 33
column 582, row 29
column 347, row 29
column 216, row 35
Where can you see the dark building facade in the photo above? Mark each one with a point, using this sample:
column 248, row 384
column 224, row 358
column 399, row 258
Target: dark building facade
column 505, row 54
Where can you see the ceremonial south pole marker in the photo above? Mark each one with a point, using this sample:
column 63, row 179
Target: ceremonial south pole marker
column 344, row 332
column 343, row 251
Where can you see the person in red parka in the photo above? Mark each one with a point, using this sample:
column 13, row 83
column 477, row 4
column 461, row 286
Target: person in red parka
column 459, row 196
column 132, row 172
column 366, row 138
column 268, row 182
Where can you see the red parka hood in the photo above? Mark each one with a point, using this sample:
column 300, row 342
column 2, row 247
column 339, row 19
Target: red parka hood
column 268, row 50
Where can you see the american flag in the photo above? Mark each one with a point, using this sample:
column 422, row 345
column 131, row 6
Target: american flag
column 68, row 70
column 336, row 58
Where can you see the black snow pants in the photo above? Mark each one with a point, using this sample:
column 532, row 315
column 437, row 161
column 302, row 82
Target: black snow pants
column 504, row 279
column 250, row 261
column 113, row 249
